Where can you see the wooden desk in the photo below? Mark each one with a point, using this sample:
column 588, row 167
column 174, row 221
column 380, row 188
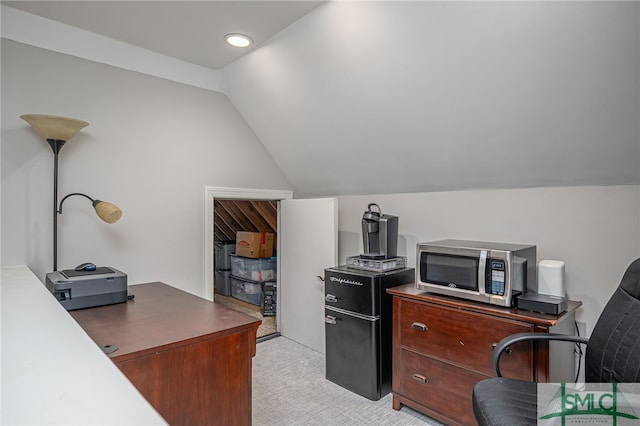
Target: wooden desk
column 190, row 358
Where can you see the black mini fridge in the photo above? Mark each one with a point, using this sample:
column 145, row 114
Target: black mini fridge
column 358, row 328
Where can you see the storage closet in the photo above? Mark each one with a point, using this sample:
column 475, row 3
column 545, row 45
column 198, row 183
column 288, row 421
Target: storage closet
column 243, row 280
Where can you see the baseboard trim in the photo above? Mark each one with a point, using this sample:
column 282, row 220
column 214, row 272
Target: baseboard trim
column 267, row 337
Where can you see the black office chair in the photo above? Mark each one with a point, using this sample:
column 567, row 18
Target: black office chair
column 612, row 355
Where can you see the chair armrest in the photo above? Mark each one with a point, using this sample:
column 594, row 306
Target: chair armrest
column 503, row 344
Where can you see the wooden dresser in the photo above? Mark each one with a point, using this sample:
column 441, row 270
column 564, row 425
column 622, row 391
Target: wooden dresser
column 442, row 346
column 190, row 358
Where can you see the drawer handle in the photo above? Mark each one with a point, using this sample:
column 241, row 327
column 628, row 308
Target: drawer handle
column 420, row 378
column 419, row 326
column 507, row 350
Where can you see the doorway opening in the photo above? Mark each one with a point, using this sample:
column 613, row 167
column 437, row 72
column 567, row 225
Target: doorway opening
column 227, row 211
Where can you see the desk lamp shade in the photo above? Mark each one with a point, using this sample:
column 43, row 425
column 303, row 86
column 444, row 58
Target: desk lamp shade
column 108, row 212
column 54, row 127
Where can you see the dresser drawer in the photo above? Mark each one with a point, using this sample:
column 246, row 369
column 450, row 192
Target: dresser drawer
column 444, row 388
column 464, row 338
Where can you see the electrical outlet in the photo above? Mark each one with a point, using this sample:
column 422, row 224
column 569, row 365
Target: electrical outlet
column 582, row 328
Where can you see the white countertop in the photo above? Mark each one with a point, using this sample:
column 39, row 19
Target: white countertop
column 52, row 372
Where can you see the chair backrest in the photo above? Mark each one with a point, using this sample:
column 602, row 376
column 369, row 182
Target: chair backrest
column 613, row 352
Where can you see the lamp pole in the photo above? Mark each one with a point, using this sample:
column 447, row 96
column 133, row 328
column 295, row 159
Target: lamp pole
column 56, row 145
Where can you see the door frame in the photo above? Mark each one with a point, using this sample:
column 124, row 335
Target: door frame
column 213, row 192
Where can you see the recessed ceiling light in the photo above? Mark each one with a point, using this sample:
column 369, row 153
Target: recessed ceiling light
column 238, row 40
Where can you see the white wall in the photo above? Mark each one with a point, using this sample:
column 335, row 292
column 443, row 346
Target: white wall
column 594, row 230
column 151, row 147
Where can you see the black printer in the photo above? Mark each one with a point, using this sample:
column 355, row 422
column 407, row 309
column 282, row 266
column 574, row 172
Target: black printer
column 85, row 289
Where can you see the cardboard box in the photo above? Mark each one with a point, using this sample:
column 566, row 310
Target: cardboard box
column 254, row 244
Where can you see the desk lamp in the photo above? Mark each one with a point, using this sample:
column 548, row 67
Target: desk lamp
column 57, row 131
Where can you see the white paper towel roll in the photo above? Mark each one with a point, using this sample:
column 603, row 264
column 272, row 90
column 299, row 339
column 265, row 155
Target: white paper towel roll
column 551, row 277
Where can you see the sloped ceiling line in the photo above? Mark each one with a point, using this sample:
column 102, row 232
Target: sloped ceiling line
column 36, row 31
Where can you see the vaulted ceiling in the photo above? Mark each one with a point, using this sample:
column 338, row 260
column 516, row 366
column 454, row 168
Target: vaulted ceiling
column 398, row 97
column 189, row 30
column 372, row 97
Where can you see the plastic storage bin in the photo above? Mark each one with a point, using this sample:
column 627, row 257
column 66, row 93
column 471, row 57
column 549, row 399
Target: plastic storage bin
column 246, row 290
column 221, row 251
column 223, row 284
column 253, row 269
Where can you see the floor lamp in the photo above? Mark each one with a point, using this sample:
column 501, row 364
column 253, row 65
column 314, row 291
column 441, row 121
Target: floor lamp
column 57, row 131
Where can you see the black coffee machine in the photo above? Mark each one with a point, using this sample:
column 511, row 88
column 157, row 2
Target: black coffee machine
column 379, row 234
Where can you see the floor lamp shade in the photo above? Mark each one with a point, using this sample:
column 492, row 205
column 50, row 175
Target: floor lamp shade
column 54, row 127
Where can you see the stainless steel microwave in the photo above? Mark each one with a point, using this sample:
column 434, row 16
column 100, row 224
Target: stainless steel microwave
column 483, row 271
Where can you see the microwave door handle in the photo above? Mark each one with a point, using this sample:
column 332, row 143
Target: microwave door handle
column 482, row 271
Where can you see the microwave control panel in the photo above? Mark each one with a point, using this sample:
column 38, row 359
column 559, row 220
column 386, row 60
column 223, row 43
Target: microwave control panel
column 497, row 277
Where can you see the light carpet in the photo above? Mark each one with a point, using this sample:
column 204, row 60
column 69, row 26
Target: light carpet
column 289, row 388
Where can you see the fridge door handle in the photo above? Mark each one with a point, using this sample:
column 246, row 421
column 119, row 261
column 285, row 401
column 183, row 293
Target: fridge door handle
column 330, row 298
column 329, row 319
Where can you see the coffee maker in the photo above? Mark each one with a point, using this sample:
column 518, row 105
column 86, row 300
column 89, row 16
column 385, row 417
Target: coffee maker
column 379, row 234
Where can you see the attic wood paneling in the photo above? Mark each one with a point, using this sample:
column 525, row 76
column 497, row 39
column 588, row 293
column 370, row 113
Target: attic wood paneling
column 231, row 216
column 269, row 212
column 236, row 212
column 256, row 218
column 224, row 225
column 222, row 212
column 219, row 236
column 223, row 233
